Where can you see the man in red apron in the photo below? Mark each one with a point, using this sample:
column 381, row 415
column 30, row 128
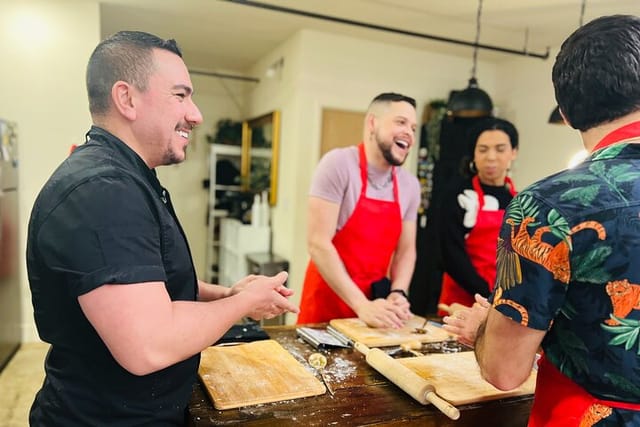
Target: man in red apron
column 567, row 277
column 362, row 223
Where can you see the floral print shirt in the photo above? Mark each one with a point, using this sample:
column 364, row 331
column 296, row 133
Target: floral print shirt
column 569, row 262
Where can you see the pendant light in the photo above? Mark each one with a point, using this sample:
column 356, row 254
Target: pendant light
column 555, row 117
column 472, row 101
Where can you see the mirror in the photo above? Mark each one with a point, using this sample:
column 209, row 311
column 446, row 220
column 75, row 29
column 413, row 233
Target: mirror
column 260, row 146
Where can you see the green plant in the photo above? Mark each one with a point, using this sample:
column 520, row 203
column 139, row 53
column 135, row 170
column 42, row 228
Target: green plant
column 227, row 132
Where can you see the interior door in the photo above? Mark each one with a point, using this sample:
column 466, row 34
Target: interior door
column 340, row 128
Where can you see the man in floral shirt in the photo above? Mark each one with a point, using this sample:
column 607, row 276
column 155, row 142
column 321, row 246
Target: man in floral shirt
column 568, row 276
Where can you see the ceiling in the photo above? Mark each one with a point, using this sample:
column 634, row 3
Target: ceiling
column 223, row 35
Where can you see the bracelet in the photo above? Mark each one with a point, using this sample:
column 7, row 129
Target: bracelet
column 401, row 291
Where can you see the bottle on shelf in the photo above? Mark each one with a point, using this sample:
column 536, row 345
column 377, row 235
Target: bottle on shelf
column 256, row 211
column 265, row 212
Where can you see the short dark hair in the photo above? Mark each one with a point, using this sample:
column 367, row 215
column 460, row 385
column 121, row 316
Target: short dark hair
column 393, row 97
column 596, row 75
column 491, row 123
column 126, row 56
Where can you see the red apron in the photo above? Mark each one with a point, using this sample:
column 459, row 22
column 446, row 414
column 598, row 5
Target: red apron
column 365, row 245
column 558, row 400
column 481, row 247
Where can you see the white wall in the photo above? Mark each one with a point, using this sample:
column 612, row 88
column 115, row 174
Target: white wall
column 325, row 70
column 525, row 97
column 45, row 46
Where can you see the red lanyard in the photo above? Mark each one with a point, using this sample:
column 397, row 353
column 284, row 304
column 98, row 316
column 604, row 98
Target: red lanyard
column 632, row 130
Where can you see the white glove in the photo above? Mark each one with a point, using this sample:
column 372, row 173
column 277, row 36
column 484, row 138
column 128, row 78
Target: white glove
column 468, row 201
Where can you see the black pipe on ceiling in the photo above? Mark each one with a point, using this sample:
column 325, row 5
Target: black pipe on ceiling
column 225, row 76
column 389, row 29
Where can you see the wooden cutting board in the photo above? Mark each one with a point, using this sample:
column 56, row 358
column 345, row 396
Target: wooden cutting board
column 254, row 373
column 456, row 378
column 357, row 330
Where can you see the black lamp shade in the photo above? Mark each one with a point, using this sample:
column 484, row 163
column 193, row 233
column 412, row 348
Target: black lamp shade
column 555, row 117
column 470, row 102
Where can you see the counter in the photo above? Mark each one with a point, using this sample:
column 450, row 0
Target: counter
column 362, row 397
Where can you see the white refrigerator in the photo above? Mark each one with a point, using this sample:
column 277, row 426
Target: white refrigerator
column 10, row 256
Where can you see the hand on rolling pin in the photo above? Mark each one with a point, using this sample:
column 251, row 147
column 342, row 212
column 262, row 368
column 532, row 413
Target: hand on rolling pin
column 383, row 313
column 464, row 322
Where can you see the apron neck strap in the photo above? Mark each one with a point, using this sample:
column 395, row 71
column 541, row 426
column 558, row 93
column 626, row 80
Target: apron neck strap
column 363, row 172
column 362, row 156
column 475, row 182
column 630, row 131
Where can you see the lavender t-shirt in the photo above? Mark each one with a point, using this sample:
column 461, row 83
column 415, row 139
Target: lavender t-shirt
column 337, row 179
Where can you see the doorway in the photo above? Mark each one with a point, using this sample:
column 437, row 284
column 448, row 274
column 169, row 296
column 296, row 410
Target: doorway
column 340, row 128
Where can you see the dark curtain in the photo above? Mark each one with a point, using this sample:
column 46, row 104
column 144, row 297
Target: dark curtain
column 448, row 156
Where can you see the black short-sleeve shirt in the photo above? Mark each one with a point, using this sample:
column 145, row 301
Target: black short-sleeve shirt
column 103, row 217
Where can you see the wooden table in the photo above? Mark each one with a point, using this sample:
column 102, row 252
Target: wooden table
column 362, row 397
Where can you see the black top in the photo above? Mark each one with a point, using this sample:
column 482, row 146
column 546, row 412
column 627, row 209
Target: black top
column 103, row 217
column 452, row 232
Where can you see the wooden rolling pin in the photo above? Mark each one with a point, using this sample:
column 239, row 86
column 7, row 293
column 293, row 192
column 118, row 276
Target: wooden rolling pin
column 451, row 309
column 412, row 383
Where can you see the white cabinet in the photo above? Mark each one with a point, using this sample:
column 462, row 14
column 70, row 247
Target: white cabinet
column 236, row 241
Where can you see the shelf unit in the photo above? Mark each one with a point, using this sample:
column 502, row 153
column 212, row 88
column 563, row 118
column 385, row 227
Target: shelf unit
column 213, row 245
column 217, row 152
column 242, row 160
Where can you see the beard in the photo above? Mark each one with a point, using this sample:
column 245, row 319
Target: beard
column 385, row 149
column 172, row 153
column 170, row 157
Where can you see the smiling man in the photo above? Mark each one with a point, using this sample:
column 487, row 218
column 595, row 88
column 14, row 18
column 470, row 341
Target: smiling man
column 113, row 285
column 362, row 223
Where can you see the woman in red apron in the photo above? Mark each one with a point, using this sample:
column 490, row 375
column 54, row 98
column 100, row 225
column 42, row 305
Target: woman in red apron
column 365, row 244
column 472, row 217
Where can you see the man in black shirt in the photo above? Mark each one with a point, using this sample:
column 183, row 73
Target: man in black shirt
column 113, row 285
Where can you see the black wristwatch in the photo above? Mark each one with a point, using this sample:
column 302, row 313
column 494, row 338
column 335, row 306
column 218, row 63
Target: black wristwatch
column 401, row 291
